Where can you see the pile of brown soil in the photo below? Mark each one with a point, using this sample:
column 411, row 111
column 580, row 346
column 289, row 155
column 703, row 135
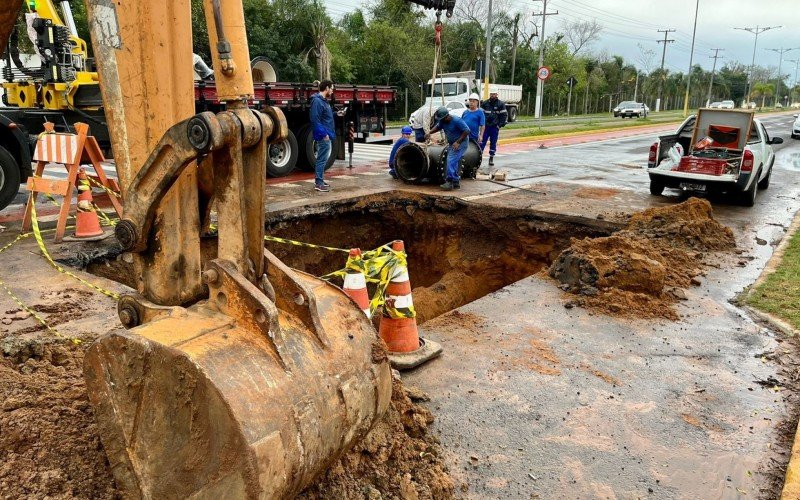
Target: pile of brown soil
column 49, row 447
column 641, row 270
column 397, row 459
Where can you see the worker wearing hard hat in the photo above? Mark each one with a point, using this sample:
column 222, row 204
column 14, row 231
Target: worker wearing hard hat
column 475, row 118
column 456, row 131
column 496, row 118
column 405, row 137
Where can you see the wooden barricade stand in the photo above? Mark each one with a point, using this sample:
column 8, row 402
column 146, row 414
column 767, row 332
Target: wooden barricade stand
column 70, row 150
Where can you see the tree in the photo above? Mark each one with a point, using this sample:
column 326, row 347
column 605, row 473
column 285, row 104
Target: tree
column 580, row 34
column 762, row 90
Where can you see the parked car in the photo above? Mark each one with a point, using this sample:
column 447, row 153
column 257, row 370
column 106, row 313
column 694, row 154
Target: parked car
column 749, row 105
column 715, row 105
column 726, row 105
column 796, row 127
column 717, row 150
column 631, row 109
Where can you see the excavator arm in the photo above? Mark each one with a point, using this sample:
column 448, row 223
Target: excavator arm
column 231, row 375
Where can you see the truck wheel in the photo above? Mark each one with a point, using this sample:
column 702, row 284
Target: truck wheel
column 9, row 178
column 748, row 197
column 308, row 155
column 282, row 157
column 764, row 184
column 512, row 114
column 656, row 188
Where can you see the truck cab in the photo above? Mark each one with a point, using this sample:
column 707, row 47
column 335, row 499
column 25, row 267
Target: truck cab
column 458, row 87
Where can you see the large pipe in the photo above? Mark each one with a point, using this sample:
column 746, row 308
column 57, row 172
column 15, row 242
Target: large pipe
column 416, row 163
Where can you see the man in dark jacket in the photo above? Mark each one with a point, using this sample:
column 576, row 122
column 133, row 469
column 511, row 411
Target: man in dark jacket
column 496, row 118
column 324, row 131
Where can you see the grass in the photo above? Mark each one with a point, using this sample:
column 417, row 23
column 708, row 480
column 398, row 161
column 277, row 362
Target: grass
column 779, row 293
column 582, row 127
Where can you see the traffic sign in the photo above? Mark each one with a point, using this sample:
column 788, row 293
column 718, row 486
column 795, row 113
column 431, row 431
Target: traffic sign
column 572, row 81
column 543, row 73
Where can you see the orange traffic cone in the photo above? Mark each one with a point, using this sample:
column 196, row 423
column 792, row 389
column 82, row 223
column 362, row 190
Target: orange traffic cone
column 399, row 320
column 87, row 224
column 355, row 282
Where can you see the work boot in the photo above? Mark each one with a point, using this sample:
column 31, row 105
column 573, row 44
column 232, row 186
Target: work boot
column 457, row 185
column 491, row 161
column 447, row 186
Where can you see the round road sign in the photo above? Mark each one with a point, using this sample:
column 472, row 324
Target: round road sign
column 543, row 73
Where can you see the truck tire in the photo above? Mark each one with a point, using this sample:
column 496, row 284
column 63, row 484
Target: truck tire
column 748, row 197
column 764, row 183
column 282, row 157
column 307, row 145
column 512, row 114
column 656, row 188
column 10, row 178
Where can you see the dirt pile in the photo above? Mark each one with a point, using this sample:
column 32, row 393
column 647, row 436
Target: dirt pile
column 641, row 271
column 397, row 459
column 49, row 447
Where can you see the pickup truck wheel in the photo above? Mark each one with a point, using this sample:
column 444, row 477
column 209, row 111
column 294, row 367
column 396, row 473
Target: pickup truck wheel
column 656, row 188
column 764, row 183
column 282, row 157
column 748, row 197
column 309, row 149
column 9, row 178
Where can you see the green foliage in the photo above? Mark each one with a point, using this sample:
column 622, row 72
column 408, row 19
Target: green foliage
column 779, row 293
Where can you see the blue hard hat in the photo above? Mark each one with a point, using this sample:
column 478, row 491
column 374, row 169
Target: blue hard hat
column 406, row 130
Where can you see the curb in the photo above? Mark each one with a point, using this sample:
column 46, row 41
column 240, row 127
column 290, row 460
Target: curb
column 791, row 482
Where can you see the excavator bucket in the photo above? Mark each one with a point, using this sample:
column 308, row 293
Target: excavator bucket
column 9, row 10
column 234, row 376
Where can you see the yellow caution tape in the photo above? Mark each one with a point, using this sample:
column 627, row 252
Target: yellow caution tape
column 37, row 234
column 302, row 244
column 100, row 185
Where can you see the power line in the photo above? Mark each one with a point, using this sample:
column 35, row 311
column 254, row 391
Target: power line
column 755, row 31
column 711, row 84
column 665, row 41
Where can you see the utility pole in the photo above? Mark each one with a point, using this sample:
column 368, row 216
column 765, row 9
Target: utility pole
column 539, row 82
column 756, row 31
column 713, row 69
column 665, row 41
column 488, row 52
column 780, row 51
column 514, row 48
column 691, row 59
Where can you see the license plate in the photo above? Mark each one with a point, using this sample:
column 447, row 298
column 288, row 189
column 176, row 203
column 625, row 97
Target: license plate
column 692, row 187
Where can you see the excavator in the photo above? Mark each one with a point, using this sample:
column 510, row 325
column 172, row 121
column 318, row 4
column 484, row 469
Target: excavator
column 231, row 375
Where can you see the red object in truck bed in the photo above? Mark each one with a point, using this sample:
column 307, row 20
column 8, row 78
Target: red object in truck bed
column 708, row 166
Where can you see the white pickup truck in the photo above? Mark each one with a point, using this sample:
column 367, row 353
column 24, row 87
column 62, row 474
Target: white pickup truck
column 715, row 151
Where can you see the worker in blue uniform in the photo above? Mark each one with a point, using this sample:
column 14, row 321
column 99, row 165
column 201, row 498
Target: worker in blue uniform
column 496, row 118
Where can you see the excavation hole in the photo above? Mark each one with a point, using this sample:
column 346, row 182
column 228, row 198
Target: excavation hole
column 457, row 251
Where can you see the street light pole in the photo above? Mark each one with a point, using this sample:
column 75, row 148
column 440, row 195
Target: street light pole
column 796, row 67
column 756, row 31
column 780, row 51
column 488, row 52
column 691, row 60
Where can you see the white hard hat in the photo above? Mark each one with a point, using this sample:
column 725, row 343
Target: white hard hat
column 474, row 96
column 492, row 90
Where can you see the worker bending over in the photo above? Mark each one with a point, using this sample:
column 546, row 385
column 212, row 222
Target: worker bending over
column 405, row 137
column 421, row 123
column 456, row 131
column 496, row 118
column 475, row 118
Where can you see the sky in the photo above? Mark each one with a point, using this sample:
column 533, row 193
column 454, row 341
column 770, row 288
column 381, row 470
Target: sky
column 628, row 23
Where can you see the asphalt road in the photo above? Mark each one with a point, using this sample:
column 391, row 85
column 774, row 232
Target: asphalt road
column 637, row 409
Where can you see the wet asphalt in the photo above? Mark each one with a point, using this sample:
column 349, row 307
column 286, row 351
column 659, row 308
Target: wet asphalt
column 534, row 400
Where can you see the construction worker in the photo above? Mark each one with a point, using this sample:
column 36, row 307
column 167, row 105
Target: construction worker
column 324, row 131
column 405, row 137
column 496, row 118
column 456, row 131
column 420, row 121
column 475, row 118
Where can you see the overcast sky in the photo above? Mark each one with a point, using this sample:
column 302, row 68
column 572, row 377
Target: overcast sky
column 630, row 22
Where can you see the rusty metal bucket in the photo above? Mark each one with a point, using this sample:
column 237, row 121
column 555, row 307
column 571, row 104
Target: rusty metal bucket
column 192, row 404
